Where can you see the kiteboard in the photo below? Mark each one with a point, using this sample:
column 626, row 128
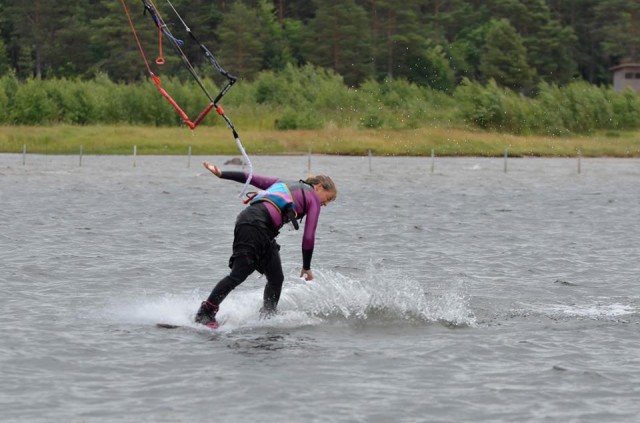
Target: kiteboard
column 172, row 326
column 168, row 326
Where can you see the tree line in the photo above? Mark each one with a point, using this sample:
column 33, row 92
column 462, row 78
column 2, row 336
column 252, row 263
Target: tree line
column 518, row 44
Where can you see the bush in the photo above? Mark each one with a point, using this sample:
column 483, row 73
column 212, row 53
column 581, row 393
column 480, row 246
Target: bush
column 8, row 87
column 32, row 105
column 576, row 108
column 481, row 106
column 299, row 87
column 372, row 120
column 310, row 98
column 626, row 109
column 4, row 107
column 106, row 96
column 72, row 100
column 294, row 119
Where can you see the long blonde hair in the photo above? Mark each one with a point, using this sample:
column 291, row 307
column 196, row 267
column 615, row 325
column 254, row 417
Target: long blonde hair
column 325, row 182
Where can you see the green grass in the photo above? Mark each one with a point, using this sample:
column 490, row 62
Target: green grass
column 120, row 139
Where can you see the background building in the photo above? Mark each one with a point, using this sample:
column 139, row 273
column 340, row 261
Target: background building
column 626, row 75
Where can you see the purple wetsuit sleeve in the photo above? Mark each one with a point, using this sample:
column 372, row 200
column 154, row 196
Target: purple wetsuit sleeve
column 310, row 225
column 258, row 181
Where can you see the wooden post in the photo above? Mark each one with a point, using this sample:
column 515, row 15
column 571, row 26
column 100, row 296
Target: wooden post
column 135, row 153
column 24, row 154
column 80, row 160
column 579, row 157
column 505, row 160
column 189, row 158
column 370, row 160
column 433, row 160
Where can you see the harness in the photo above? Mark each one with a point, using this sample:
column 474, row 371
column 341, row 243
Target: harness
column 279, row 195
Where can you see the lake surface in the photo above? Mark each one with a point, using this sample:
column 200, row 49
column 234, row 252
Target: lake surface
column 462, row 294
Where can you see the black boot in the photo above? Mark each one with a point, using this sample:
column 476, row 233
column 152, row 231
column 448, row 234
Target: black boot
column 267, row 312
column 206, row 314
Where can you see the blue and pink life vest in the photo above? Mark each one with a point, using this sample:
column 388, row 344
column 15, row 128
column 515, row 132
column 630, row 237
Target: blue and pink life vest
column 279, row 195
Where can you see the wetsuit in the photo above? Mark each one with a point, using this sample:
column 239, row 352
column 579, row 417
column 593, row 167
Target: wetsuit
column 254, row 245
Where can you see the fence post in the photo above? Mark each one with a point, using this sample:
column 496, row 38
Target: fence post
column 369, row 160
column 505, row 160
column 579, row 157
column 80, row 159
column 433, row 160
column 189, row 158
column 135, row 153
column 24, row 154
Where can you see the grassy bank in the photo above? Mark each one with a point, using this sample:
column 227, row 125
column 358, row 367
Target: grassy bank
column 67, row 139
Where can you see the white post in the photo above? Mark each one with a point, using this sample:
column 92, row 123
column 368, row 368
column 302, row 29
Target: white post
column 80, row 161
column 189, row 159
column 24, row 154
column 579, row 156
column 433, row 160
column 505, row 160
column 369, row 160
column 135, row 153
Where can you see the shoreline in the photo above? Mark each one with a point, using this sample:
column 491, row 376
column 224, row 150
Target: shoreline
column 218, row 140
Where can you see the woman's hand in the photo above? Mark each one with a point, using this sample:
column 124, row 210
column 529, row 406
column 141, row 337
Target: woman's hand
column 307, row 275
column 212, row 168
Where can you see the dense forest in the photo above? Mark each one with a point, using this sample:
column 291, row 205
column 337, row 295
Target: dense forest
column 520, row 66
column 434, row 43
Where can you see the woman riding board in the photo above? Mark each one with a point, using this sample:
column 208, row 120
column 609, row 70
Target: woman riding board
column 257, row 226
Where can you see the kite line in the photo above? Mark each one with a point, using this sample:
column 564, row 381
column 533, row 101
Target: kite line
column 164, row 33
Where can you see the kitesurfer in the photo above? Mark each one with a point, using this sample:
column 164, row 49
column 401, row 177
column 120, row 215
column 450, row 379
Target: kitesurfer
column 257, row 226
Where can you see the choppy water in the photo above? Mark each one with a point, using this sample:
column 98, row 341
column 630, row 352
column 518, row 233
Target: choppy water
column 467, row 294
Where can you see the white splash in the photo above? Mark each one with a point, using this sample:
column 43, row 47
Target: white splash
column 382, row 295
column 594, row 310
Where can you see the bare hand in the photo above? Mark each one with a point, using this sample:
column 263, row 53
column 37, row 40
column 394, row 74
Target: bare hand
column 307, row 275
column 212, row 168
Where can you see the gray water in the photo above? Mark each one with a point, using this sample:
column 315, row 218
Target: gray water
column 466, row 294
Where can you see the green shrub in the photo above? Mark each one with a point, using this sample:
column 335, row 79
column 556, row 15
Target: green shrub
column 4, row 107
column 309, row 97
column 626, row 109
column 299, row 87
column 576, row 108
column 72, row 100
column 481, row 106
column 8, row 87
column 372, row 120
column 549, row 116
column 295, row 119
column 32, row 105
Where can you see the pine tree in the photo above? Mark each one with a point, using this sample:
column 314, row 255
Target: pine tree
column 203, row 17
column 401, row 40
column 550, row 46
column 242, row 41
column 551, row 53
column 113, row 45
column 619, row 29
column 30, row 29
column 4, row 59
column 587, row 52
column 505, row 57
column 277, row 51
column 338, row 38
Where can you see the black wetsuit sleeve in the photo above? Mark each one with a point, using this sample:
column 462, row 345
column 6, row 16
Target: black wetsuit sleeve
column 234, row 176
column 306, row 259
